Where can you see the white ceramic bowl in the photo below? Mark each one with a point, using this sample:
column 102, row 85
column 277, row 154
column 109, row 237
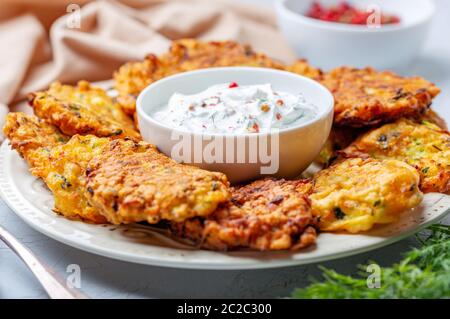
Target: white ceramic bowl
column 328, row 44
column 293, row 148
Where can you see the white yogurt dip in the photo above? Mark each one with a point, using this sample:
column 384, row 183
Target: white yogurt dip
column 231, row 108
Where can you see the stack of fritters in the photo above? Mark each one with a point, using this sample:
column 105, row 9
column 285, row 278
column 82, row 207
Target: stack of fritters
column 366, row 99
column 85, row 147
column 269, row 214
column 122, row 181
column 139, row 183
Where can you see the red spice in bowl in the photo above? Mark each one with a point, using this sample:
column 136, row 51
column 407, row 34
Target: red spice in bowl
column 346, row 13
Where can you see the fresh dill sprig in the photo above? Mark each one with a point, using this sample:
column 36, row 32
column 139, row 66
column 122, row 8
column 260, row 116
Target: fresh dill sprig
column 424, row 272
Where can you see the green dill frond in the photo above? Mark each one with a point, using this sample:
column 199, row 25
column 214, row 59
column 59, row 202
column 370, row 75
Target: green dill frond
column 423, row 273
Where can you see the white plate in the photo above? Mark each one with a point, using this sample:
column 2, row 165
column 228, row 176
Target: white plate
column 29, row 198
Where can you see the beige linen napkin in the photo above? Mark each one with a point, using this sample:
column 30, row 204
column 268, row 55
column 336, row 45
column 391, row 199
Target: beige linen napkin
column 40, row 43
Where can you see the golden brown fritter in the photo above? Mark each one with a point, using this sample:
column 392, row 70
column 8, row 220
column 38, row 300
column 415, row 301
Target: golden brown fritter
column 58, row 162
column 187, row 55
column 355, row 194
column 341, row 137
column 191, row 54
column 264, row 215
column 367, row 97
column 302, row 67
column 82, row 110
column 424, row 146
column 132, row 182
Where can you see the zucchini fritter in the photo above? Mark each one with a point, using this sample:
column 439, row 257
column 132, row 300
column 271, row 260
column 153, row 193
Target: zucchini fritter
column 424, row 146
column 366, row 97
column 355, row 194
column 132, row 182
column 31, row 137
column 342, row 137
column 82, row 110
column 187, row 55
column 264, row 215
column 58, row 161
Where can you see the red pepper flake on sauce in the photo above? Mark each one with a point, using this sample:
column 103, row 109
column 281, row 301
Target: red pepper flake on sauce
column 346, row 13
column 233, row 85
column 278, row 116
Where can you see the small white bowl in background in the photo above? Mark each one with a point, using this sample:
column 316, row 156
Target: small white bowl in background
column 329, row 44
column 298, row 145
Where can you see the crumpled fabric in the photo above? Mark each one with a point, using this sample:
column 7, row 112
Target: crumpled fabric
column 41, row 43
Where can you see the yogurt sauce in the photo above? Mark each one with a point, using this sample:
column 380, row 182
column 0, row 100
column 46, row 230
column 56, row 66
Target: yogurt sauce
column 230, row 108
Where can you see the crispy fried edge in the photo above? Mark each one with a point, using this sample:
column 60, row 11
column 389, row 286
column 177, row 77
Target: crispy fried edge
column 247, row 230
